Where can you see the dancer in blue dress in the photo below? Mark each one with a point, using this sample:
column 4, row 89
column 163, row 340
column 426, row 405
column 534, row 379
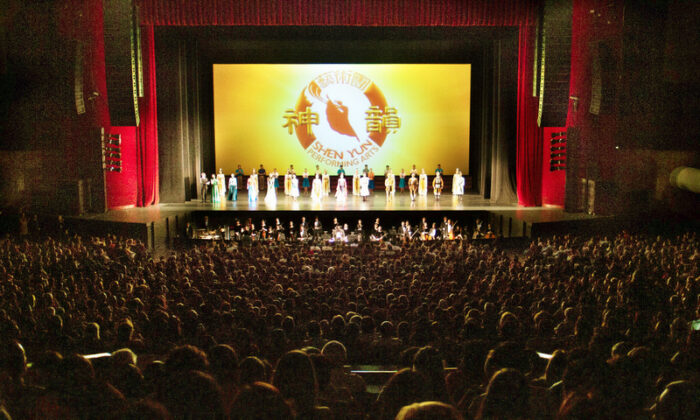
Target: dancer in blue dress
column 305, row 181
column 214, row 189
column 232, row 188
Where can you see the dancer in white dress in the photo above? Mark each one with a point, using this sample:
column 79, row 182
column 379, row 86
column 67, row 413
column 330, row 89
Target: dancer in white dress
column 457, row 183
column 271, row 191
column 364, row 187
column 294, row 189
column 317, row 189
column 341, row 190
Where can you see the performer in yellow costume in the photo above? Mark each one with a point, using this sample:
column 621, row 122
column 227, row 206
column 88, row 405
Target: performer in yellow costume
column 423, row 184
column 356, row 183
column 389, row 184
column 326, row 183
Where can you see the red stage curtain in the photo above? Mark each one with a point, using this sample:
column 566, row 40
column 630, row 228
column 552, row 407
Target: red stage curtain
column 345, row 13
column 522, row 13
column 528, row 165
column 147, row 133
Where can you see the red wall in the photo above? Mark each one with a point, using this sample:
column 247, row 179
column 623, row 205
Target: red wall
column 597, row 132
column 121, row 188
column 553, row 183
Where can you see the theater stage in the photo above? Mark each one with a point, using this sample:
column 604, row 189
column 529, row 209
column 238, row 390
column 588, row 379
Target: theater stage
column 159, row 225
column 376, row 202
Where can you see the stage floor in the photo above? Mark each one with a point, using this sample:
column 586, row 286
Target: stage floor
column 158, row 224
column 376, row 202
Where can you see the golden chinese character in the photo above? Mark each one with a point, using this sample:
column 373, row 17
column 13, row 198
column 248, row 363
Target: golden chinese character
column 292, row 120
column 308, row 118
column 391, row 120
column 374, row 119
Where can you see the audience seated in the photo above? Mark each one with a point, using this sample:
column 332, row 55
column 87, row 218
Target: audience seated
column 567, row 327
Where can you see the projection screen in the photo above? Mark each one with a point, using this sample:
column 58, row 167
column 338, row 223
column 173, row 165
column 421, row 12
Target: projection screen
column 350, row 114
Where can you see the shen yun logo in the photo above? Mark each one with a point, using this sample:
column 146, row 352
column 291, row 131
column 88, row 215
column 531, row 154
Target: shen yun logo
column 341, row 118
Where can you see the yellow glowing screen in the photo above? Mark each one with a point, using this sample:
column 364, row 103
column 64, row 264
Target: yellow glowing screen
column 351, row 114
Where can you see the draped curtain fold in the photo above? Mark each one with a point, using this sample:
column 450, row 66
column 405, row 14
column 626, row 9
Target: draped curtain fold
column 528, row 164
column 147, row 133
column 454, row 13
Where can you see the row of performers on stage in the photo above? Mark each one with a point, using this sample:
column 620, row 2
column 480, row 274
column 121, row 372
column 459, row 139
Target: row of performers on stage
column 341, row 233
column 361, row 184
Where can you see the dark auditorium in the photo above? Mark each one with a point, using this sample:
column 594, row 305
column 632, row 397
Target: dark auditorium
column 349, row 209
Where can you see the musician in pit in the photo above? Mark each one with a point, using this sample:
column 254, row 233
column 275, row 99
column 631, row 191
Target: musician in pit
column 433, row 233
column 339, row 234
column 279, row 230
column 263, row 233
column 406, row 231
column 378, row 234
column 424, row 230
column 443, row 227
column 303, row 232
column 449, row 233
column 359, row 231
column 291, row 232
column 318, row 228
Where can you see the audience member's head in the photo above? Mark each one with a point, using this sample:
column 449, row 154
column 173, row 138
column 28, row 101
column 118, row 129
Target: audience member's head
column 186, row 358
column 252, row 370
column 223, row 363
column 294, row 376
column 679, row 400
column 335, row 352
column 429, row 410
column 507, row 396
column 260, row 401
column 405, row 387
column 194, row 395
